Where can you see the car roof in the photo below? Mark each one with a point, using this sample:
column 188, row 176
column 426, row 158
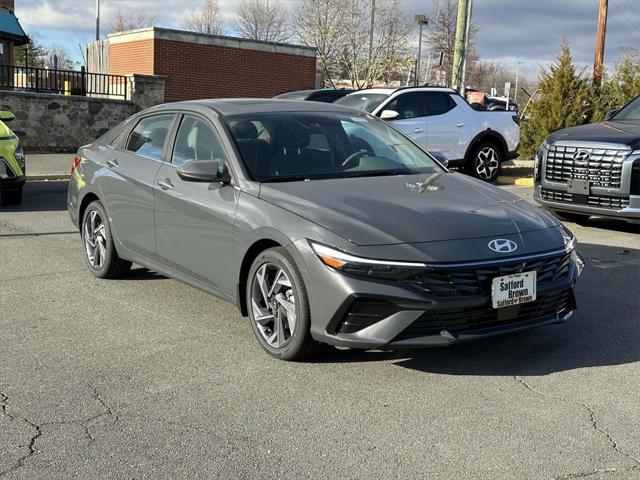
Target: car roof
column 239, row 106
column 389, row 91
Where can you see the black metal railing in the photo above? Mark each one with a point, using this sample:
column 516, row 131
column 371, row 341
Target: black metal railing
column 62, row 82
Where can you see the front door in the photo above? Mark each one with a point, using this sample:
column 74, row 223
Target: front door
column 446, row 125
column 411, row 116
column 194, row 220
column 128, row 189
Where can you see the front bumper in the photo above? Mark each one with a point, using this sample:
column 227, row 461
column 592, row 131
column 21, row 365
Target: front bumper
column 629, row 213
column 357, row 312
column 12, row 183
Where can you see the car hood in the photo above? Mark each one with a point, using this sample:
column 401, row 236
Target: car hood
column 626, row 132
column 407, row 208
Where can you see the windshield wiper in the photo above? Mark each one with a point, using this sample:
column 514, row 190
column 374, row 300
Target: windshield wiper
column 285, row 178
column 377, row 173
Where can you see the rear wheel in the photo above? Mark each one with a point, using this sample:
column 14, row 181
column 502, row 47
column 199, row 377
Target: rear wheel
column 484, row 161
column 11, row 197
column 100, row 252
column 279, row 307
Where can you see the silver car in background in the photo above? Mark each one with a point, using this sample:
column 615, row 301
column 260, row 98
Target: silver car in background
column 323, row 224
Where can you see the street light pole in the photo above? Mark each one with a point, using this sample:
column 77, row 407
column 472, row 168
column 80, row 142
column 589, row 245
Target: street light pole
column 97, row 19
column 515, row 94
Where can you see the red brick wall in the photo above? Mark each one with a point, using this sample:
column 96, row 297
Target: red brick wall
column 7, row 3
column 132, row 57
column 209, row 71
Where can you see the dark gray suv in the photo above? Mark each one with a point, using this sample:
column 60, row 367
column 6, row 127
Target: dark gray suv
column 322, row 223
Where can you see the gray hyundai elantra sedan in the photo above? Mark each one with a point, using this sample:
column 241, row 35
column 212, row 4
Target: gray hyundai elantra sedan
column 323, row 224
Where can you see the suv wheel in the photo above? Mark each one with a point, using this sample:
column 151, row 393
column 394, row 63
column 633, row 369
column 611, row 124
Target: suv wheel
column 484, row 162
column 100, row 253
column 279, row 307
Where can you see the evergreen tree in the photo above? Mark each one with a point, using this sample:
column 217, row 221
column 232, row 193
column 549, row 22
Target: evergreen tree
column 564, row 100
column 620, row 88
column 30, row 55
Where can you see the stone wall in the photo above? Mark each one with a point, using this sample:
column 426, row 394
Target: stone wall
column 58, row 123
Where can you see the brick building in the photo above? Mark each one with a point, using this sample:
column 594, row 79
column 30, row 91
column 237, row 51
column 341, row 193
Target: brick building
column 11, row 33
column 211, row 66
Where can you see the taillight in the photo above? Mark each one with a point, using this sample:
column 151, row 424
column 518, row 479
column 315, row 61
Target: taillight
column 76, row 161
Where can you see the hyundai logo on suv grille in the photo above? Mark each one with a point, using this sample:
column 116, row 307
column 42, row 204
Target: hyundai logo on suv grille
column 503, row 245
column 581, row 156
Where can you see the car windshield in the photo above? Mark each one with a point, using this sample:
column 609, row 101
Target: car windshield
column 630, row 112
column 296, row 146
column 363, row 101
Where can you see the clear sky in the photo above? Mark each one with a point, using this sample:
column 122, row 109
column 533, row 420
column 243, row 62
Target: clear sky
column 510, row 30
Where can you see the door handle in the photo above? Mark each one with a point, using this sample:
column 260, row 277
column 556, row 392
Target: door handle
column 418, row 130
column 165, row 184
column 113, row 162
column 460, row 124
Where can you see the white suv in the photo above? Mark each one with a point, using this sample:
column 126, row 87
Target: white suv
column 442, row 122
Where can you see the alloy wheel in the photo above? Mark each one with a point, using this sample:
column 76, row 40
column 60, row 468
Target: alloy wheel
column 273, row 305
column 487, row 163
column 95, row 240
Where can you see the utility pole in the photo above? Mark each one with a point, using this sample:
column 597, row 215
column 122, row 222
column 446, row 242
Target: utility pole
column 97, row 20
column 373, row 20
column 600, row 36
column 515, row 94
column 422, row 20
column 463, row 75
column 460, row 53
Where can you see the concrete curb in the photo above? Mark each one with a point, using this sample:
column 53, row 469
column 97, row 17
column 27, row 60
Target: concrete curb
column 520, row 181
column 48, row 177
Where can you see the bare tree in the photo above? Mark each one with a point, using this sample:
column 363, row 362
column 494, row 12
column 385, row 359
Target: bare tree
column 319, row 25
column 57, row 57
column 343, row 32
column 206, row 19
column 133, row 21
column 263, row 20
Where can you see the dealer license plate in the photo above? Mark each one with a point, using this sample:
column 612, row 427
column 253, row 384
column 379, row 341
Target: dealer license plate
column 513, row 289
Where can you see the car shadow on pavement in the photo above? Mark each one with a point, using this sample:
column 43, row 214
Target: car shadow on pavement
column 142, row 273
column 610, row 224
column 41, row 196
column 605, row 330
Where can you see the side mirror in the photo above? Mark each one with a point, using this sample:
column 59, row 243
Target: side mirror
column 6, row 116
column 389, row 115
column 204, row 171
column 609, row 115
column 444, row 161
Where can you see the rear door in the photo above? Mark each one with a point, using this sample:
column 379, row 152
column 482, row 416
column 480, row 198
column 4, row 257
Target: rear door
column 446, row 125
column 411, row 119
column 128, row 189
column 194, row 220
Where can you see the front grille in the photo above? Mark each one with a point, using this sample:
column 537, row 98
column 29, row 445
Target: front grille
column 600, row 201
column 469, row 319
column 602, row 169
column 470, row 281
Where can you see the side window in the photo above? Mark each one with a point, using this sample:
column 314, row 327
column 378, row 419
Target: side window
column 148, row 136
column 196, row 140
column 408, row 105
column 439, row 103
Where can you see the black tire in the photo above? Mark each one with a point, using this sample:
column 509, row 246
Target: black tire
column 112, row 266
column 485, row 154
column 11, row 197
column 300, row 345
column 571, row 216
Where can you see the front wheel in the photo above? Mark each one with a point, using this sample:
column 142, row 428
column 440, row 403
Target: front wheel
column 279, row 307
column 484, row 162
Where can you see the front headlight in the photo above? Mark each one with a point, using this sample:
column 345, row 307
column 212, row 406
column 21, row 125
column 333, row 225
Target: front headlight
column 19, row 156
column 541, row 153
column 368, row 267
column 569, row 238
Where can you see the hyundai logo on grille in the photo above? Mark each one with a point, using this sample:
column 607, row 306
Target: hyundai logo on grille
column 503, row 245
column 581, row 156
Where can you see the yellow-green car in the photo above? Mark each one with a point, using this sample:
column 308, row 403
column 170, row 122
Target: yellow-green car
column 12, row 165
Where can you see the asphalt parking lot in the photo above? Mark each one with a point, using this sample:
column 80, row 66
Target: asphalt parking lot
column 149, row 378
